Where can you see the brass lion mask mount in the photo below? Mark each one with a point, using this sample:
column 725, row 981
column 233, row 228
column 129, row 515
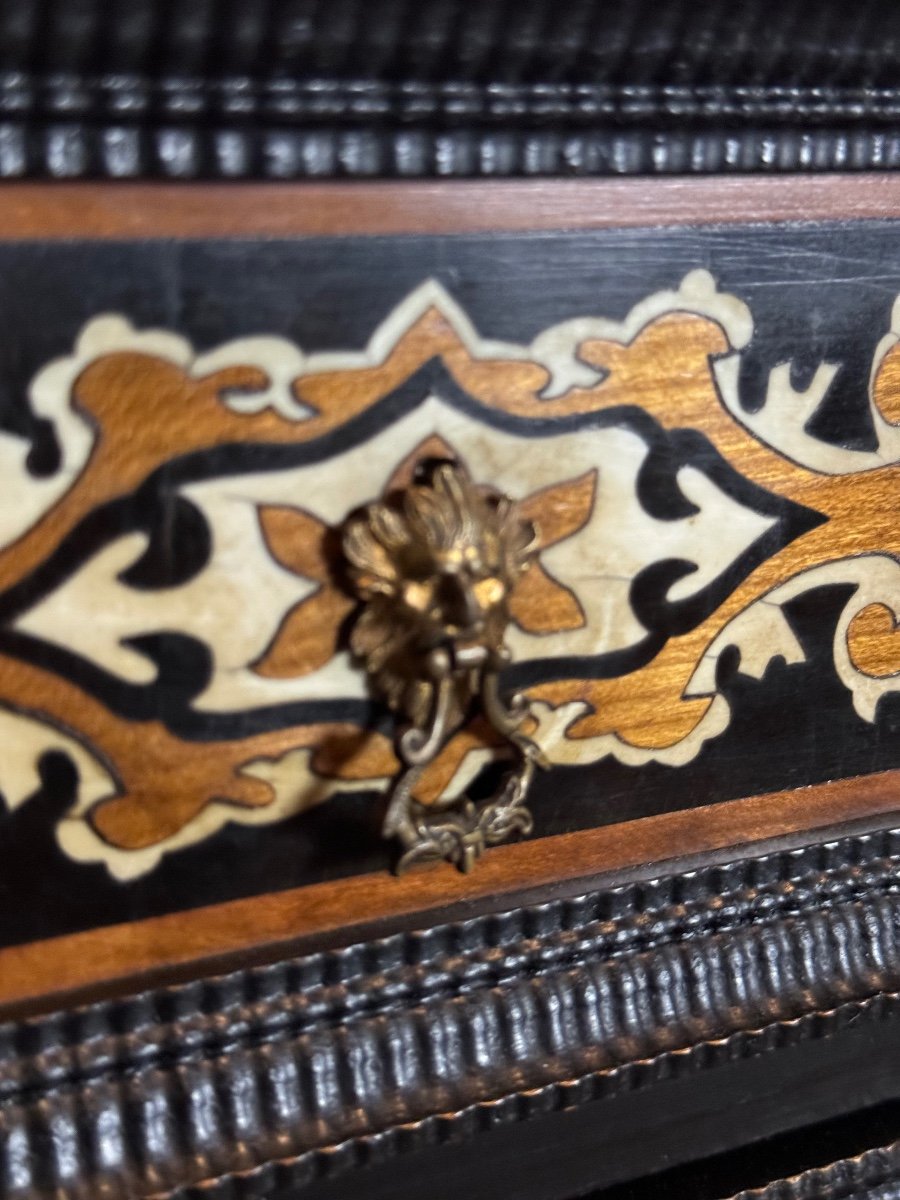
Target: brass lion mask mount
column 434, row 566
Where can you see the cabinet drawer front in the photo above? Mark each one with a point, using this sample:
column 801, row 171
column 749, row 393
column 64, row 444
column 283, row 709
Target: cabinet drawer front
column 699, row 422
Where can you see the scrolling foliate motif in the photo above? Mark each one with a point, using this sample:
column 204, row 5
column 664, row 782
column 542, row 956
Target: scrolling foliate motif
column 174, row 615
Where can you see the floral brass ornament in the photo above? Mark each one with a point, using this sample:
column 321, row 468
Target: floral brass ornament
column 434, row 567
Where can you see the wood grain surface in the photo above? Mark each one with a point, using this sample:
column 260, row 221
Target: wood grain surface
column 125, row 958
column 122, row 210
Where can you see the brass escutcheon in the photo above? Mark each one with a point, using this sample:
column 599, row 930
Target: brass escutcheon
column 433, row 566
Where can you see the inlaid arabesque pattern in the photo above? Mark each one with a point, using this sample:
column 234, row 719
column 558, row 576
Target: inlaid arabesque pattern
column 173, row 611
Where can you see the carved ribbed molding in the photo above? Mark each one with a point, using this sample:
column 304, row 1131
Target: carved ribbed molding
column 313, row 1065
column 294, row 88
column 874, row 1175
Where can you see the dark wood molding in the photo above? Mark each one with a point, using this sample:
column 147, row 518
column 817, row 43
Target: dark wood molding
column 873, row 1175
column 291, row 90
column 279, row 1076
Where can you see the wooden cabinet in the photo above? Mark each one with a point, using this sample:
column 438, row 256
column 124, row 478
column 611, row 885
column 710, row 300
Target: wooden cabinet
column 449, row 679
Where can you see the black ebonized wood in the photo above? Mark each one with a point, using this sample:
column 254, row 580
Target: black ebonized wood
column 359, row 88
column 739, row 1000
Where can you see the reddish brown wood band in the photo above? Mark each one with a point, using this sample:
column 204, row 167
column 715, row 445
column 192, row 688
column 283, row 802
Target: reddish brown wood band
column 87, row 210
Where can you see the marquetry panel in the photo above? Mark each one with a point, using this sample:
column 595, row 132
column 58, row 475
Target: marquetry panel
column 700, row 424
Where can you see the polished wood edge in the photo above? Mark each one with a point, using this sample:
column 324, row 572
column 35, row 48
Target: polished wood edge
column 121, row 958
column 123, row 210
column 866, row 1176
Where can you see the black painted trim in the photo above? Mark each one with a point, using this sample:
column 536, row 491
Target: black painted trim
column 323, row 1063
